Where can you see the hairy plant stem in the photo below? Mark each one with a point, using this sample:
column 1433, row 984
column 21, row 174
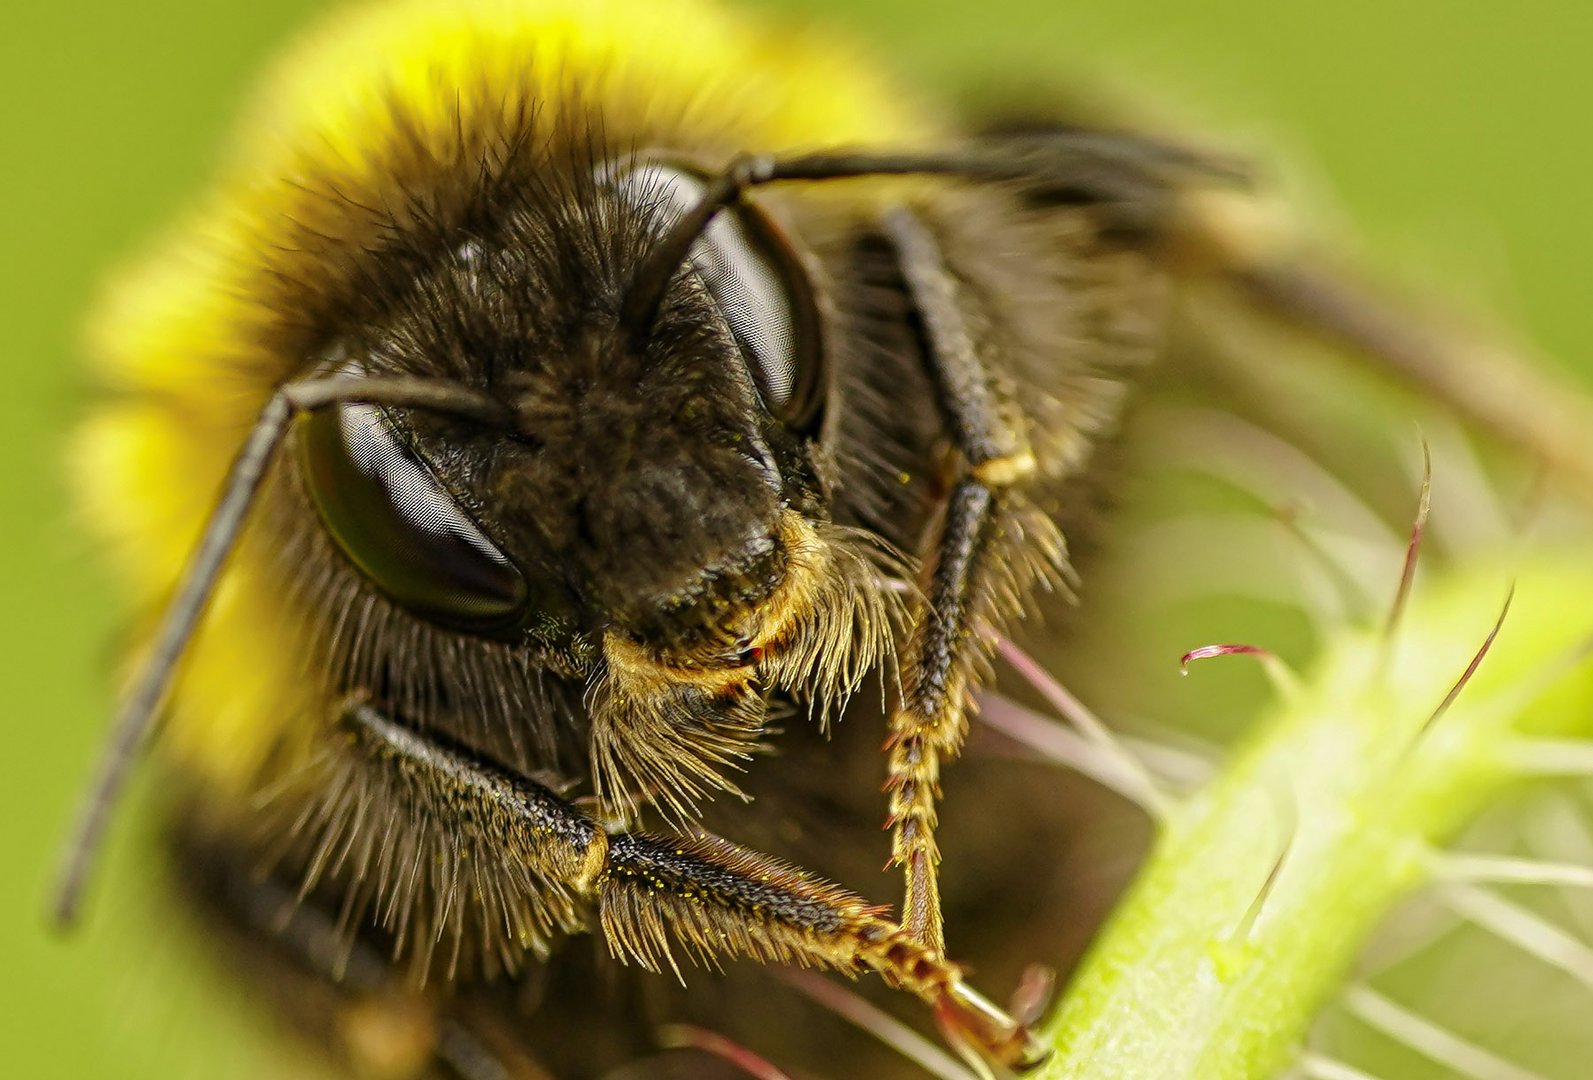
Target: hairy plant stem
column 1261, row 890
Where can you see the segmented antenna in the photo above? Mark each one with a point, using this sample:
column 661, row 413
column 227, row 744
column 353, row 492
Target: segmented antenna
column 1113, row 166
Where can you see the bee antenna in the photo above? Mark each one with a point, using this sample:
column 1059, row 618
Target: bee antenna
column 645, row 296
column 137, row 714
column 642, row 300
column 1088, row 158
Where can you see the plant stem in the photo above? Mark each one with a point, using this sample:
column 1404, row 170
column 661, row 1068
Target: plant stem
column 1262, row 889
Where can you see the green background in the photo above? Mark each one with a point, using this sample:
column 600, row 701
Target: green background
column 1444, row 143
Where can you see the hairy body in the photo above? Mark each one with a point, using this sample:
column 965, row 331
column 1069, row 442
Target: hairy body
column 388, row 796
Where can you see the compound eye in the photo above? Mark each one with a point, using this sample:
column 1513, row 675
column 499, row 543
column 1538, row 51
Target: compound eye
column 753, row 277
column 394, row 519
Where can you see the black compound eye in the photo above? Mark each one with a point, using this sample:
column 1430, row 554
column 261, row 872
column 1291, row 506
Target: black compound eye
column 753, row 278
column 394, row 519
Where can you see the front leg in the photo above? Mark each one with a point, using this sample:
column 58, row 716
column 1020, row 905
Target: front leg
column 654, row 892
column 993, row 547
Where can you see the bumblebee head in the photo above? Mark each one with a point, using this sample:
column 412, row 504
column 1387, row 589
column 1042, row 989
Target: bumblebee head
column 647, row 483
column 652, row 496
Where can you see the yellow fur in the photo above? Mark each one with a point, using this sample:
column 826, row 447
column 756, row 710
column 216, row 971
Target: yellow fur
column 192, row 338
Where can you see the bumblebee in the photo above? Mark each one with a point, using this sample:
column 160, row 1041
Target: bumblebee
column 614, row 391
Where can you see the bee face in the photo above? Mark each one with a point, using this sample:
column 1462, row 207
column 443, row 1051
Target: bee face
column 647, row 522
column 644, row 485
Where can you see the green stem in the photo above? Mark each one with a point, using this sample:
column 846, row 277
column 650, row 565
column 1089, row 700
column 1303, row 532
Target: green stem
column 1262, row 889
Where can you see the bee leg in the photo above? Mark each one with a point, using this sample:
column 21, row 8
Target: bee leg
column 992, row 547
column 715, row 897
column 343, row 996
column 704, row 894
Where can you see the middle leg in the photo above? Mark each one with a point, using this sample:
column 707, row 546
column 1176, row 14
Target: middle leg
column 993, row 547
